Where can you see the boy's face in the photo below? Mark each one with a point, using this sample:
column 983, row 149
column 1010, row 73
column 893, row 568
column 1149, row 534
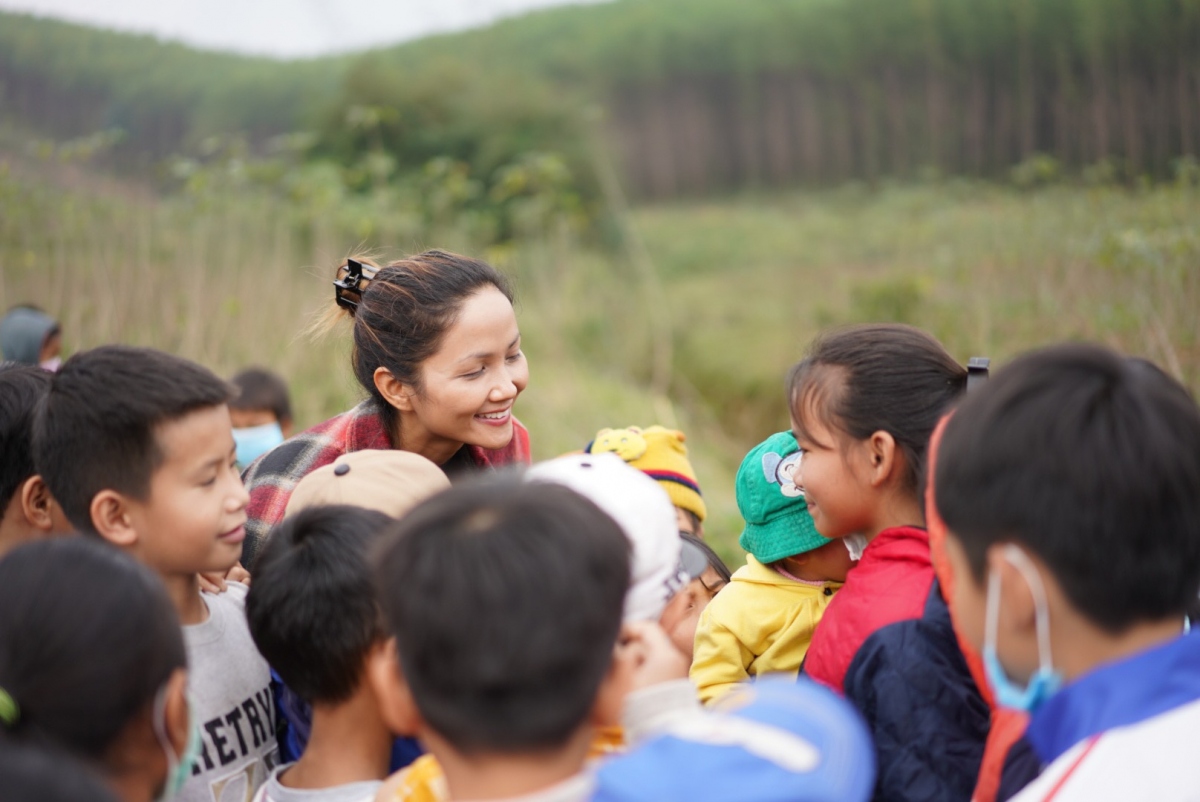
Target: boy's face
column 192, row 520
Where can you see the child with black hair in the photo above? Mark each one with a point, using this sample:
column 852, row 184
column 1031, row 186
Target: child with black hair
column 1071, row 495
column 864, row 403
column 137, row 447
column 313, row 615
column 505, row 600
column 261, row 413
column 32, row 774
column 709, row 575
column 644, row 513
column 92, row 663
column 27, row 509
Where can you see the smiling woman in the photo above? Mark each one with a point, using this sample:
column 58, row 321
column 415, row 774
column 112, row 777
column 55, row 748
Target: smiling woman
column 438, row 350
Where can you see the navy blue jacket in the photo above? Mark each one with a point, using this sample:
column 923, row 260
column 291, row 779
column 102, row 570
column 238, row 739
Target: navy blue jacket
column 911, row 684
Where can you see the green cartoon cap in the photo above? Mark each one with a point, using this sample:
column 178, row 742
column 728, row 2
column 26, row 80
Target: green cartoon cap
column 777, row 521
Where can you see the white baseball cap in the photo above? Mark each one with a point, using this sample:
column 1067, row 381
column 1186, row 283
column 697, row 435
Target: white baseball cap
column 644, row 512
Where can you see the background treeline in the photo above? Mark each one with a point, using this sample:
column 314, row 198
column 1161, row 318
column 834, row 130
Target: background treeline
column 694, row 96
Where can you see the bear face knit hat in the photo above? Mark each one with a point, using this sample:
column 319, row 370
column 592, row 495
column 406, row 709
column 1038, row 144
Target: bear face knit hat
column 389, row 481
column 777, row 521
column 644, row 513
column 659, row 453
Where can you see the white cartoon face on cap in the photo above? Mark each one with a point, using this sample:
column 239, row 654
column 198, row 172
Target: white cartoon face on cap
column 782, row 471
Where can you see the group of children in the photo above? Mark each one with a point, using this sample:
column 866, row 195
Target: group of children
column 946, row 596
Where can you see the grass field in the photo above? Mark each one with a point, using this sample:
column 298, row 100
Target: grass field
column 693, row 324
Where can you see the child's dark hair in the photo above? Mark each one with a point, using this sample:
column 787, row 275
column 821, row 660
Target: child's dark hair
column 259, row 388
column 1091, row 462
column 22, row 387
column 505, row 599
column 88, row 637
column 37, row 774
column 96, row 429
column 878, row 377
column 311, row 608
column 711, row 557
column 404, row 311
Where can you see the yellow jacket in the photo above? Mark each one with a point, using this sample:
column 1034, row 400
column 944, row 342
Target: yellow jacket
column 424, row 781
column 760, row 623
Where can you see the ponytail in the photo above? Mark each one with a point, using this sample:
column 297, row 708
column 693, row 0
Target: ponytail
column 87, row 638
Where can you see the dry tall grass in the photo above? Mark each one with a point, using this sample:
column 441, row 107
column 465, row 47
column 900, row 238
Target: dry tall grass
column 746, row 283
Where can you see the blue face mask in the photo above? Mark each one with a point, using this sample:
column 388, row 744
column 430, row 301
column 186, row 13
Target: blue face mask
column 1045, row 682
column 179, row 768
column 255, row 441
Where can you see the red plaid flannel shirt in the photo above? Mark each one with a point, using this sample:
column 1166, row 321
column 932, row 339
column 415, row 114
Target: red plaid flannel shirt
column 272, row 477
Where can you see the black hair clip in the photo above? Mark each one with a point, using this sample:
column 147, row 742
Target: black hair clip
column 977, row 371
column 347, row 291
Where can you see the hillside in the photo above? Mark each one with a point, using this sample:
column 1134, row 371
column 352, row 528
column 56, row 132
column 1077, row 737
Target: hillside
column 697, row 96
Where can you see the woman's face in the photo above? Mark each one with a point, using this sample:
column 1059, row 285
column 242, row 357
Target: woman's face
column 470, row 384
column 682, row 614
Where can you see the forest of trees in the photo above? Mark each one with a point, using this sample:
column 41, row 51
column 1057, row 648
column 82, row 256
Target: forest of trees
column 695, row 96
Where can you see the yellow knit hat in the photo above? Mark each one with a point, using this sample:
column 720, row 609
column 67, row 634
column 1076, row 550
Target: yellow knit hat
column 659, row 453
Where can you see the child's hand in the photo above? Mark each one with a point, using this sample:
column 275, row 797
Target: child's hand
column 655, row 659
column 215, row 583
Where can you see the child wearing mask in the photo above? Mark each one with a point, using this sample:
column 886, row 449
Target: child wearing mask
column 1070, row 492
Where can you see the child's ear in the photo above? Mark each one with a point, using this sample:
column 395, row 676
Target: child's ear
column 41, row 509
column 112, row 519
column 177, row 713
column 394, row 391
column 883, row 456
column 1018, row 610
column 616, row 685
column 285, row 426
column 396, row 704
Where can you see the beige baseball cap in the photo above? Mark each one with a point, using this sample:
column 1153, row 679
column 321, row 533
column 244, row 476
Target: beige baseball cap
column 391, row 482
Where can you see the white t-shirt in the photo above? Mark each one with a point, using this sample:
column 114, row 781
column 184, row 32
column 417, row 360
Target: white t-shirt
column 229, row 685
column 274, row 791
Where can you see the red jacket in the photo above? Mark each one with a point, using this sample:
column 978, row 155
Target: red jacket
column 890, row 583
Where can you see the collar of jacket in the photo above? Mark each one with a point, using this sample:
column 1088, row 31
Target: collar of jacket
column 1118, row 694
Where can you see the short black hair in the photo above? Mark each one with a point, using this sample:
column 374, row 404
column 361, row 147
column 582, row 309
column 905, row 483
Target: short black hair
column 505, row 599
column 311, row 608
column 96, row 428
column 259, row 388
column 1091, row 461
column 22, row 387
column 88, row 637
column 34, row 773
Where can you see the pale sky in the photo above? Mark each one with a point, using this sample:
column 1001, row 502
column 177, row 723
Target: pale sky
column 283, row 28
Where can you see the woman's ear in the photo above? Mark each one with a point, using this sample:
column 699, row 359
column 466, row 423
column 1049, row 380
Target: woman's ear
column 394, row 391
column 883, row 457
column 396, row 704
column 112, row 518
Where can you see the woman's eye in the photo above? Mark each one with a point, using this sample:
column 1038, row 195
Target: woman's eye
column 475, row 374
column 515, row 357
